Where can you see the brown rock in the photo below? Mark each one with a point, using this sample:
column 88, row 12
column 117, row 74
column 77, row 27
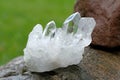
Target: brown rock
column 95, row 65
column 107, row 16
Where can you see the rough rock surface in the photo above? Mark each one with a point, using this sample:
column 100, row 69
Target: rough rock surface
column 96, row 65
column 107, row 16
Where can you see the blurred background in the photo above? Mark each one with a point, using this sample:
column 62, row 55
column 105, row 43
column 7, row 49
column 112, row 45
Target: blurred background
column 18, row 17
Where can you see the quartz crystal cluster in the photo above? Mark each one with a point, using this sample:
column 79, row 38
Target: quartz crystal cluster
column 54, row 47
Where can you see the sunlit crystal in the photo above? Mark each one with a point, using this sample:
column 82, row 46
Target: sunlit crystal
column 58, row 47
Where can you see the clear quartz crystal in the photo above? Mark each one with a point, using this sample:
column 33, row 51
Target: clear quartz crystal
column 50, row 29
column 58, row 47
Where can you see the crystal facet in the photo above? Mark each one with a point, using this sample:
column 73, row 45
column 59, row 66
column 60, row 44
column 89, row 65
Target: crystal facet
column 58, row 47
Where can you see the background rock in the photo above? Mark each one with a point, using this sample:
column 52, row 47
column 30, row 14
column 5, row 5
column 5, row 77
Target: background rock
column 96, row 65
column 107, row 16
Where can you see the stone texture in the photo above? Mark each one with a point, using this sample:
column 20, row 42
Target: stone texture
column 107, row 16
column 96, row 65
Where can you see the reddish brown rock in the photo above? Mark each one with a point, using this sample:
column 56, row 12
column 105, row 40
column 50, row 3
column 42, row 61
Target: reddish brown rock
column 107, row 16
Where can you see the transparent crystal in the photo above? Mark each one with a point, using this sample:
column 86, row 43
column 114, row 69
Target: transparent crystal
column 58, row 47
column 50, row 29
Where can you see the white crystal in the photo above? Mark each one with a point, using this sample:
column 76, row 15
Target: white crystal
column 58, row 47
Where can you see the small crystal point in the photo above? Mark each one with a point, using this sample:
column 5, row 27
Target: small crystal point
column 71, row 23
column 86, row 25
column 36, row 32
column 85, row 28
column 50, row 29
column 74, row 17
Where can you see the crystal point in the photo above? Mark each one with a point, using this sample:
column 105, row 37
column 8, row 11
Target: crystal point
column 50, row 29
